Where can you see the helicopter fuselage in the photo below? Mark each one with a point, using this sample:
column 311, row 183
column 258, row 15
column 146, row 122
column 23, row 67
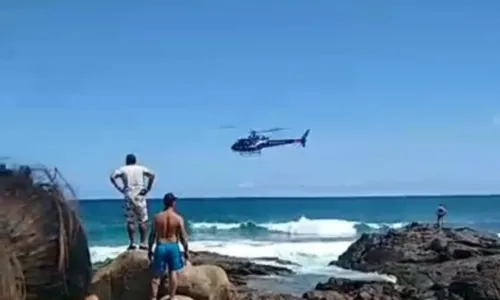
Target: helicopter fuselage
column 254, row 143
column 249, row 145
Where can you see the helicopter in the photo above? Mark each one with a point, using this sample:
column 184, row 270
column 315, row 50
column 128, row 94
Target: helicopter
column 256, row 141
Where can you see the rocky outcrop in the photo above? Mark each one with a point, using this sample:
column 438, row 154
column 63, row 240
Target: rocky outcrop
column 344, row 289
column 256, row 295
column 429, row 263
column 127, row 278
column 237, row 269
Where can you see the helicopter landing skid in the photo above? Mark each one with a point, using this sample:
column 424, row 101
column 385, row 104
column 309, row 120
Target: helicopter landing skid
column 250, row 153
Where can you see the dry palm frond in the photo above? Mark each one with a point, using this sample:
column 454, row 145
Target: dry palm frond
column 42, row 236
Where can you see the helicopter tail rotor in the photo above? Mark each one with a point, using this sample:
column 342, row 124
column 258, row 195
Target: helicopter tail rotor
column 303, row 139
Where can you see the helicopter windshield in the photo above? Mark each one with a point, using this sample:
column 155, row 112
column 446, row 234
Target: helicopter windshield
column 242, row 142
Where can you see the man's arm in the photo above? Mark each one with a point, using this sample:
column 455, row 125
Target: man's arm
column 151, row 178
column 152, row 235
column 184, row 237
column 115, row 175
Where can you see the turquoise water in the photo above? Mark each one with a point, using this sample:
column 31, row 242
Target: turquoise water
column 308, row 231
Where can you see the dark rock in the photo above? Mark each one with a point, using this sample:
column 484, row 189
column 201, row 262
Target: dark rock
column 278, row 260
column 336, row 288
column 237, row 268
column 254, row 295
column 433, row 263
column 483, row 283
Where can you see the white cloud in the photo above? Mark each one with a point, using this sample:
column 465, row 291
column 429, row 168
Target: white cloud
column 246, row 185
column 496, row 120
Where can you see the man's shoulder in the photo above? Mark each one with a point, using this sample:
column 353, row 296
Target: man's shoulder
column 132, row 168
column 120, row 170
column 179, row 217
column 160, row 214
column 123, row 168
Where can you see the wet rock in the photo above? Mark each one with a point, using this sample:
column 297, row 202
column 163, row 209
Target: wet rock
column 238, row 269
column 434, row 263
column 338, row 289
column 255, row 295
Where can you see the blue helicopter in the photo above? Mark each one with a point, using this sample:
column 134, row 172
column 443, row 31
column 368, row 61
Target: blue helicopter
column 256, row 141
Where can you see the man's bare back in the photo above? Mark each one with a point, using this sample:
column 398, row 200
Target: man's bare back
column 169, row 226
column 168, row 231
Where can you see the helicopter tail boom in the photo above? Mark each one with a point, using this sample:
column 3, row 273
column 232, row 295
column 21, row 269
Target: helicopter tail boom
column 303, row 139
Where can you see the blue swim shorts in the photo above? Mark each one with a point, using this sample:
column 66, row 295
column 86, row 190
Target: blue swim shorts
column 167, row 255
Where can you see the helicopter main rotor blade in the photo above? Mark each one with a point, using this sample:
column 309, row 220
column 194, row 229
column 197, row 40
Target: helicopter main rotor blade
column 271, row 130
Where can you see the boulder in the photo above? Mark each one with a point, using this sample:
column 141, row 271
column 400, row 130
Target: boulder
column 128, row 277
column 238, row 269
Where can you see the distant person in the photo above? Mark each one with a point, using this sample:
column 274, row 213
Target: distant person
column 167, row 230
column 134, row 191
column 440, row 214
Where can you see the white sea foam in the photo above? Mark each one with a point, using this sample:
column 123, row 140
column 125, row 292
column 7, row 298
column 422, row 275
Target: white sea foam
column 312, row 256
column 306, row 227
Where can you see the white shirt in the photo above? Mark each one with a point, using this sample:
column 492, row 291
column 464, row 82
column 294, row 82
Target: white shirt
column 133, row 177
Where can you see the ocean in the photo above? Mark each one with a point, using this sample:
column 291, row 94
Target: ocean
column 308, row 231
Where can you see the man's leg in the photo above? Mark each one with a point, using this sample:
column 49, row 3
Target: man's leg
column 172, row 283
column 157, row 270
column 143, row 231
column 175, row 265
column 142, row 215
column 131, row 235
column 155, row 286
column 131, row 220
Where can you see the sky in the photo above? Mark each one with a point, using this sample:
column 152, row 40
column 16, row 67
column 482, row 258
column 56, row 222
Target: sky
column 402, row 97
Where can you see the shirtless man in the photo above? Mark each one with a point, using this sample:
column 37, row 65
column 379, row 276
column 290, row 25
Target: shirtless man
column 167, row 230
column 134, row 190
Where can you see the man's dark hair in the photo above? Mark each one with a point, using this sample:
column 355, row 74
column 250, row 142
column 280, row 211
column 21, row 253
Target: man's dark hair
column 169, row 200
column 130, row 159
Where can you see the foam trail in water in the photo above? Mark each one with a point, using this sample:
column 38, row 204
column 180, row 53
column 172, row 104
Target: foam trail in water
column 311, row 256
column 305, row 227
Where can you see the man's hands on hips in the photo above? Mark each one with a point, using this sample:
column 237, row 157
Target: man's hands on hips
column 143, row 192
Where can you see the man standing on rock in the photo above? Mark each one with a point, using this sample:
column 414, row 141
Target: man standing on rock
column 440, row 213
column 167, row 230
column 134, row 190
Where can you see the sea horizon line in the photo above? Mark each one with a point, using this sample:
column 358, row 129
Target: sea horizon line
column 332, row 197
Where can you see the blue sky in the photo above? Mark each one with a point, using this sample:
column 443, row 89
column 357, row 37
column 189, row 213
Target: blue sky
column 400, row 96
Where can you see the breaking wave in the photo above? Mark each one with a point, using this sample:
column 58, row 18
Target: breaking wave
column 310, row 243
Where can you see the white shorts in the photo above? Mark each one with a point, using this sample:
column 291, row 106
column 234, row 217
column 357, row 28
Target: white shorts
column 136, row 209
